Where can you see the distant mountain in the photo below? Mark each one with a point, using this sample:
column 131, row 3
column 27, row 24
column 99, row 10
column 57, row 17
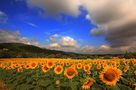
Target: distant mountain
column 19, row 50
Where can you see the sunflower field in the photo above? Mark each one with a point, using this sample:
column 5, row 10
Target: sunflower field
column 68, row 74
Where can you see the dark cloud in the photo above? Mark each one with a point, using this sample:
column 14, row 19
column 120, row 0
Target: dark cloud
column 116, row 21
column 70, row 7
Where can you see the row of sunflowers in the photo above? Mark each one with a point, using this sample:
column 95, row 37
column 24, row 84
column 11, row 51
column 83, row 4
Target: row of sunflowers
column 68, row 74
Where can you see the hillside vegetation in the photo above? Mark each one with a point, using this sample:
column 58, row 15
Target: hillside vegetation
column 19, row 50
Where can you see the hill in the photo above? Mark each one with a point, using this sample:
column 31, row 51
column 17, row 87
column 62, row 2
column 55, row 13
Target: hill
column 19, row 50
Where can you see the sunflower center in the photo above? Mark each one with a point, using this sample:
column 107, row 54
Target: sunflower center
column 33, row 64
column 70, row 73
column 50, row 64
column 110, row 75
column 79, row 65
column 58, row 69
column 27, row 66
column 45, row 68
column 87, row 67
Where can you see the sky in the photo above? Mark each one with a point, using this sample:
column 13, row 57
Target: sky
column 81, row 26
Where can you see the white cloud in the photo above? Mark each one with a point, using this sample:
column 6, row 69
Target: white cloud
column 31, row 24
column 53, row 38
column 15, row 37
column 88, row 17
column 62, row 43
column 67, row 41
column 3, row 17
column 69, row 44
column 54, row 45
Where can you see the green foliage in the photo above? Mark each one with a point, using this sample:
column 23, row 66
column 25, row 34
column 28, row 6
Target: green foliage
column 107, row 57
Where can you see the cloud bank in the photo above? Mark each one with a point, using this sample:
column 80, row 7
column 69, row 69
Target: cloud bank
column 70, row 7
column 116, row 20
column 15, row 37
column 58, row 42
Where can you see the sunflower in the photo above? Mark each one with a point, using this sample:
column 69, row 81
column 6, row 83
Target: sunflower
column 19, row 69
column 70, row 72
column 104, row 65
column 89, row 72
column 12, row 66
column 79, row 66
column 134, row 62
column 88, row 83
column 68, row 63
column 62, row 64
column 110, row 75
column 58, row 69
column 87, row 68
column 27, row 66
column 50, row 64
column 126, row 68
column 45, row 68
column 33, row 65
column 98, row 67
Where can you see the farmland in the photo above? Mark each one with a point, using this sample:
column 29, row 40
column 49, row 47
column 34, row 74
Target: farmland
column 68, row 74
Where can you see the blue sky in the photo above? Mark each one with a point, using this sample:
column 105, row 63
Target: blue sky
column 19, row 15
column 41, row 23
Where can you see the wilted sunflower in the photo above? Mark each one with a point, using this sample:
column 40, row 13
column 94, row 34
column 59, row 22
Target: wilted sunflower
column 58, row 69
column 70, row 72
column 110, row 75
column 87, row 84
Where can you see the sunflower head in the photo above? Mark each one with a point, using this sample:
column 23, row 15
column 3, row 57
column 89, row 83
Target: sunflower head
column 70, row 72
column 126, row 68
column 19, row 69
column 58, row 69
column 50, row 64
column 79, row 66
column 87, row 84
column 33, row 65
column 87, row 68
column 98, row 67
column 27, row 66
column 45, row 68
column 110, row 75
